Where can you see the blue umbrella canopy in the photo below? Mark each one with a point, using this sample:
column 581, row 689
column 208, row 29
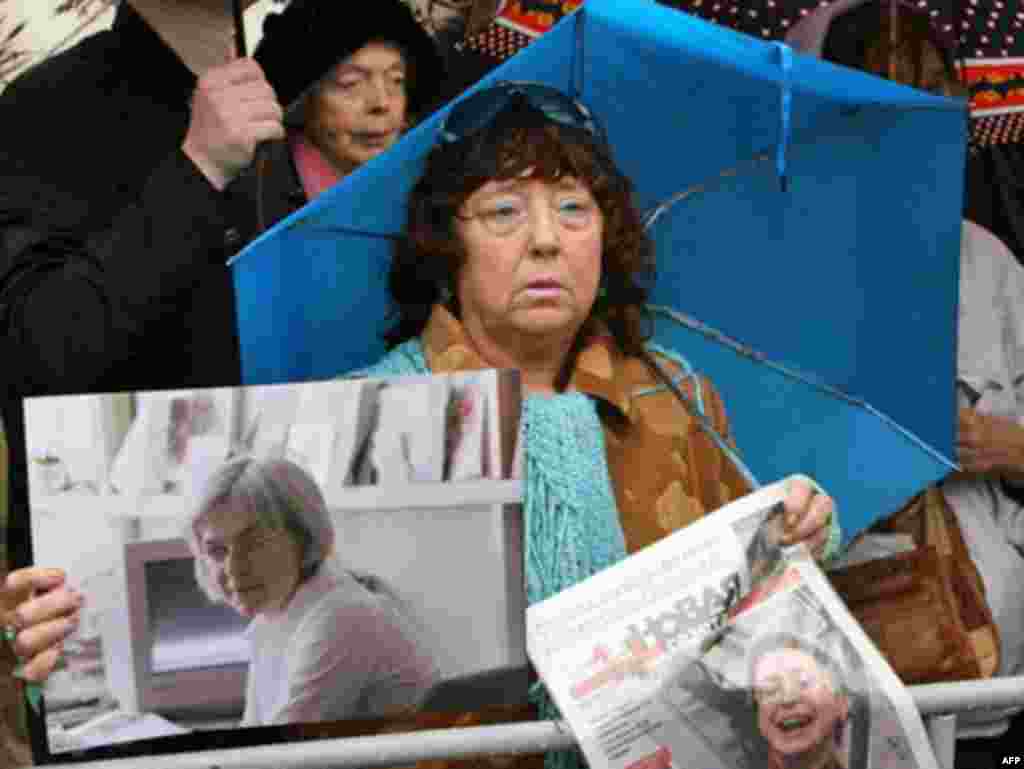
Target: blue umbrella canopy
column 848, row 271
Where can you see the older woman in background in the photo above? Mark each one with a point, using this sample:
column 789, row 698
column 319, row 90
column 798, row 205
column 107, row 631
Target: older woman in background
column 525, row 251
column 380, row 72
column 326, row 644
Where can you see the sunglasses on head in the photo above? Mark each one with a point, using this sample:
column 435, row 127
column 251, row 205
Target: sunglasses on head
column 476, row 112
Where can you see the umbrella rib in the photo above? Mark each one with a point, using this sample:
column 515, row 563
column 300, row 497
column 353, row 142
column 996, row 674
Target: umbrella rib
column 749, row 352
column 330, row 230
column 364, row 233
column 746, row 351
column 680, row 196
column 760, row 157
column 912, row 438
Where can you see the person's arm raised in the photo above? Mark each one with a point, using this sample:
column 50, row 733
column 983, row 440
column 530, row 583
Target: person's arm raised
column 80, row 303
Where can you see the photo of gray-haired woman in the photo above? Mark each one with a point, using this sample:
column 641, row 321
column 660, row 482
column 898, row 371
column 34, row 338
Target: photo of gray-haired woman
column 326, row 643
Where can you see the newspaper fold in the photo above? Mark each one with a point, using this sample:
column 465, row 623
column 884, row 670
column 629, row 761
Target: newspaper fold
column 720, row 647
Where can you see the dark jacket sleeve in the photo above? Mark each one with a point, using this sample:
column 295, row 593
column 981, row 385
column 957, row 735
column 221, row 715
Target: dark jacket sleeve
column 74, row 304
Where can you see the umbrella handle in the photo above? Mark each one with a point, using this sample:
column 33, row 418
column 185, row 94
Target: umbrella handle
column 241, row 49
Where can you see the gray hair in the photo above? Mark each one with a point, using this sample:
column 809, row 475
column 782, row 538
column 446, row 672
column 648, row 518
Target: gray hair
column 282, row 495
column 780, row 641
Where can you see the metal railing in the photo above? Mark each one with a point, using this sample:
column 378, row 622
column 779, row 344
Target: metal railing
column 938, row 704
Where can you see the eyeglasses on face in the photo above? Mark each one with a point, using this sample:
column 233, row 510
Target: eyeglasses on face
column 504, row 215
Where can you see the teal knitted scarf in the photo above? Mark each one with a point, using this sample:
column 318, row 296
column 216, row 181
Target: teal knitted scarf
column 571, row 520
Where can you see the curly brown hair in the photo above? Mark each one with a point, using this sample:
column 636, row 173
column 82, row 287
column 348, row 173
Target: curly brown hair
column 519, row 138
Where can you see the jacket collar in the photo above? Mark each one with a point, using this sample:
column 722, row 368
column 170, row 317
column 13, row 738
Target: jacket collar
column 600, row 369
column 315, row 171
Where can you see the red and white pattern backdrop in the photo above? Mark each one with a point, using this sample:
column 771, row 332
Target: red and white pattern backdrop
column 499, row 41
column 991, row 35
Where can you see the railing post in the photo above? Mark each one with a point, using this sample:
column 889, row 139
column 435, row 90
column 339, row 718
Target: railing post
column 942, row 733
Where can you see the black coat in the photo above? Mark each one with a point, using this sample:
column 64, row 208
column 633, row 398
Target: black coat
column 117, row 242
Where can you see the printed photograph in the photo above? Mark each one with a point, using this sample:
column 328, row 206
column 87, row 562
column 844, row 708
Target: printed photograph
column 267, row 556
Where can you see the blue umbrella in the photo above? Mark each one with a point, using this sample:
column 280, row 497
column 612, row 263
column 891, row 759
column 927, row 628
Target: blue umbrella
column 848, row 269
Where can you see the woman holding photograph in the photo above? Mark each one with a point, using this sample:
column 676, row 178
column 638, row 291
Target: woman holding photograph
column 525, row 251
column 326, row 644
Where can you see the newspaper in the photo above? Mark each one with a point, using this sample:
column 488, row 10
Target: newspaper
column 719, row 647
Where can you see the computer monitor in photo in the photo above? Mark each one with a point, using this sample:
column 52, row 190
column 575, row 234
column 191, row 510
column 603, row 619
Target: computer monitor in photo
column 259, row 559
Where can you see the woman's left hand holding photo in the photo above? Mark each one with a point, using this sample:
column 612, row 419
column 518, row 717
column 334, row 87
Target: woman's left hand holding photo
column 38, row 611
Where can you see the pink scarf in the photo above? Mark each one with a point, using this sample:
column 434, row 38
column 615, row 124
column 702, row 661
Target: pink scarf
column 315, row 171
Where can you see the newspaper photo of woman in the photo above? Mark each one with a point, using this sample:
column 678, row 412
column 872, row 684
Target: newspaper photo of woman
column 801, row 703
column 326, row 643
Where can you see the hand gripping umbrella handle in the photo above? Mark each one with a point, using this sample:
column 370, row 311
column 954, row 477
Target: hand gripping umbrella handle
column 242, row 50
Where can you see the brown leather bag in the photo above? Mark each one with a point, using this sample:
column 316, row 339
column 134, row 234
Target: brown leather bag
column 925, row 609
